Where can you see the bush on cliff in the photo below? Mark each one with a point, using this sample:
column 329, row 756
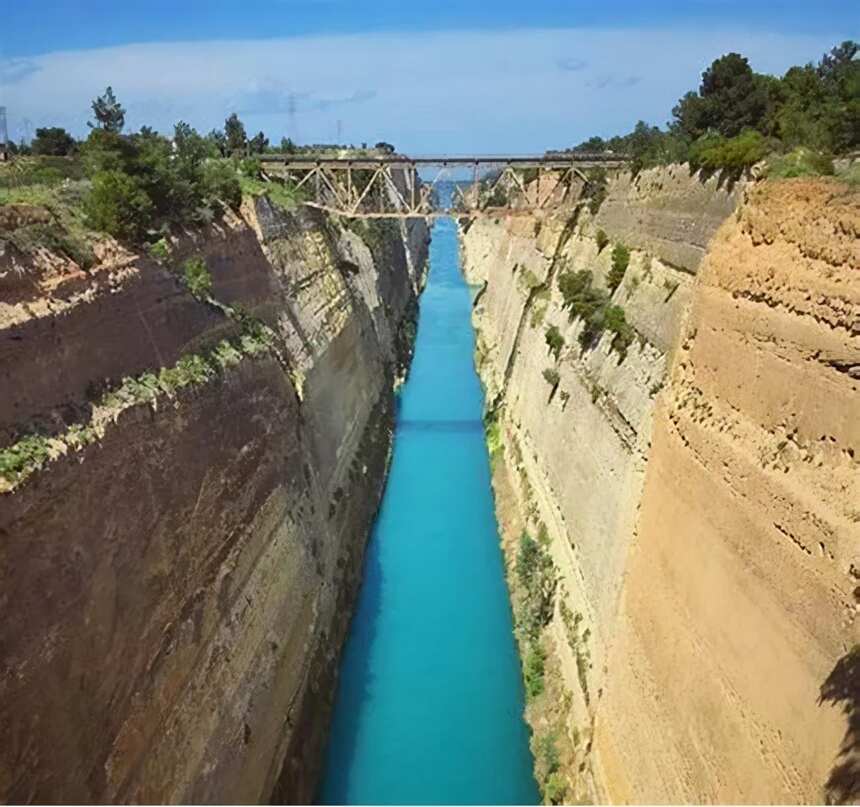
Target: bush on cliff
column 800, row 162
column 119, row 204
column 620, row 262
column 554, row 340
column 615, row 321
column 153, row 181
column 536, row 576
column 551, row 376
column 533, row 670
column 197, row 277
column 593, row 307
column 734, row 154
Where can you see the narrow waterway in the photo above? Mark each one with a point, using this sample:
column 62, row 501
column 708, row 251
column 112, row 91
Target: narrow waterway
column 430, row 700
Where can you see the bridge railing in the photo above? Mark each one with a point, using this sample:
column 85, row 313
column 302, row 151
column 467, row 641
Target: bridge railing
column 401, row 186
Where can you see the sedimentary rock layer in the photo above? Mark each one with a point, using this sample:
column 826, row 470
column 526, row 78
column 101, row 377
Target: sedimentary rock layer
column 175, row 593
column 703, row 520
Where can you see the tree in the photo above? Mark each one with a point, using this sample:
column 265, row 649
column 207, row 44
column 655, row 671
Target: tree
column 387, row 148
column 593, row 144
column 258, row 143
column 119, row 205
column 234, row 131
column 54, row 141
column 840, row 60
column 287, row 146
column 218, row 142
column 108, row 112
column 730, row 99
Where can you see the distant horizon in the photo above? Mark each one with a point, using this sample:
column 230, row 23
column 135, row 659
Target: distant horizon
column 463, row 81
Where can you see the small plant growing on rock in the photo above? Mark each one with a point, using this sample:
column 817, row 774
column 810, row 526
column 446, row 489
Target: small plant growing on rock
column 159, row 250
column 197, row 277
column 533, row 670
column 554, row 340
column 602, row 240
column 555, row 788
column 551, row 376
column 616, row 321
column 620, row 262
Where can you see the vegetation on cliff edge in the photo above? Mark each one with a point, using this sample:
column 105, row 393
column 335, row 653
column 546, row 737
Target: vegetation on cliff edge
column 737, row 117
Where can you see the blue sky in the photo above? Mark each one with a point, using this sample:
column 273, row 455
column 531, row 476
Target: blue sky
column 430, row 76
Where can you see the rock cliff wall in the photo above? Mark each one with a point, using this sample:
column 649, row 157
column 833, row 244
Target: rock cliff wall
column 694, row 484
column 188, row 484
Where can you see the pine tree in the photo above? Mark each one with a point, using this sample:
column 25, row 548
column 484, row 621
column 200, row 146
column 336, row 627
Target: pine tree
column 109, row 113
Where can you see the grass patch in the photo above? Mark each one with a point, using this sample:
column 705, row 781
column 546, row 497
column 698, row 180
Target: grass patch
column 281, row 195
column 66, row 233
column 800, row 162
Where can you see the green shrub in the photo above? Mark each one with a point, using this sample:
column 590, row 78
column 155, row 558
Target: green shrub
column 537, row 578
column 54, row 141
column 162, row 182
column 197, row 277
column 616, row 322
column 800, row 162
column 493, row 434
column 602, row 240
column 620, row 262
column 555, row 788
column 734, row 154
column 159, row 250
column 547, row 752
column 27, row 455
column 530, row 279
column 528, row 560
column 118, row 204
column 594, row 308
column 221, row 183
column 551, row 376
column 251, row 167
column 851, row 175
column 580, row 297
column 533, row 670
column 554, row 340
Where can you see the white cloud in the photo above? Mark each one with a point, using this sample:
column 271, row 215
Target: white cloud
column 448, row 91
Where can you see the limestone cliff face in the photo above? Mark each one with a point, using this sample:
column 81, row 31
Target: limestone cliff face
column 176, row 576
column 699, row 492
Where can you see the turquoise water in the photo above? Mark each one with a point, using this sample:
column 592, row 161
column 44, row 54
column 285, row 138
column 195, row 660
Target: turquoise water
column 430, row 700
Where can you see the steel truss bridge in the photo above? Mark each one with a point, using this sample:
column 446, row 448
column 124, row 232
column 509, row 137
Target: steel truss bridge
column 398, row 187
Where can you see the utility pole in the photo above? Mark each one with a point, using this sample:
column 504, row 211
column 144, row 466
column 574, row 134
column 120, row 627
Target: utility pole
column 294, row 132
column 4, row 136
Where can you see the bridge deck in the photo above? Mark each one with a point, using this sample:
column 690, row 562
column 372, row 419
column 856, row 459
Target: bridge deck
column 580, row 159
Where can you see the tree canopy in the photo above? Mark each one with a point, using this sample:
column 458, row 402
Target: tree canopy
column 234, row 131
column 53, row 141
column 108, row 112
column 737, row 116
